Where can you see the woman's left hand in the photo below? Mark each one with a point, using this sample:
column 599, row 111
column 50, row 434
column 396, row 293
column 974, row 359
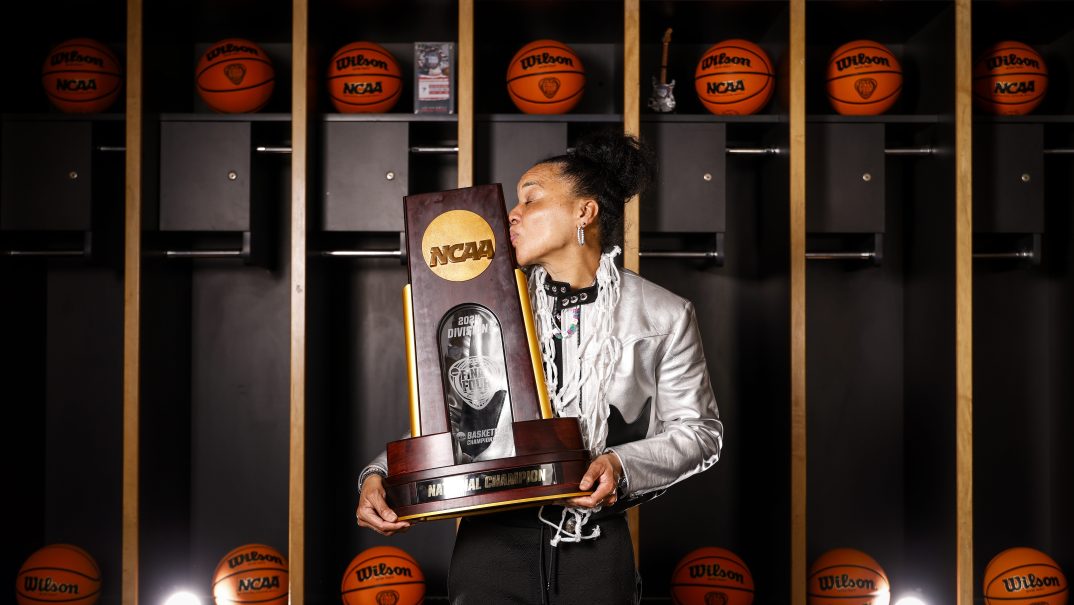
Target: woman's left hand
column 604, row 472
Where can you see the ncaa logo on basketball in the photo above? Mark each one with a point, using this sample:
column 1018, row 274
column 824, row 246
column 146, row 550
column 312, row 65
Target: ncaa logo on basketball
column 256, row 584
column 470, row 379
column 722, row 88
column 1014, row 88
column 75, row 85
column 362, row 88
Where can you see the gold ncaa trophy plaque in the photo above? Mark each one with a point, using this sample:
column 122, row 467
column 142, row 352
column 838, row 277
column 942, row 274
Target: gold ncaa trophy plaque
column 483, row 437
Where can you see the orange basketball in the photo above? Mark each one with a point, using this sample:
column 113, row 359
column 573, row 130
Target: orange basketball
column 252, row 573
column 734, row 77
column 82, row 76
column 845, row 575
column 1024, row 576
column 381, row 575
column 235, row 76
column 711, row 575
column 545, row 77
column 364, row 78
column 864, row 78
column 1009, row 79
column 58, row 573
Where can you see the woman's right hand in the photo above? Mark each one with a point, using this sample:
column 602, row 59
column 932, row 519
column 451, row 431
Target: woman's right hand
column 373, row 511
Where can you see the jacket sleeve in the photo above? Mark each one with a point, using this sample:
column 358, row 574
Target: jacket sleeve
column 689, row 434
column 377, row 466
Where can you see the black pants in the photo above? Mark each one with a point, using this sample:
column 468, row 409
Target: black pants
column 506, row 558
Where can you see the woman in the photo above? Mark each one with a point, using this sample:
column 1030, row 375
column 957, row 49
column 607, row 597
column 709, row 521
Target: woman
column 620, row 353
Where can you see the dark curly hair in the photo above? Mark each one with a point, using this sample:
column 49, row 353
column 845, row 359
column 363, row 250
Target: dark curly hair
column 611, row 168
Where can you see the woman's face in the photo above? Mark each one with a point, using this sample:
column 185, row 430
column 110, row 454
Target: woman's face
column 547, row 216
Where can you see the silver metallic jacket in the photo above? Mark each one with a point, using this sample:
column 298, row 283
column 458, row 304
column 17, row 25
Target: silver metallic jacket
column 663, row 424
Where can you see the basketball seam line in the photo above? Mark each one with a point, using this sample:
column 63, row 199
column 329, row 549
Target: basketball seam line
column 546, row 73
column 734, row 73
column 77, row 573
column 352, row 75
column 692, row 585
column 228, row 90
column 212, row 65
column 109, row 52
column 350, row 590
column 80, row 71
column 893, row 93
column 520, row 97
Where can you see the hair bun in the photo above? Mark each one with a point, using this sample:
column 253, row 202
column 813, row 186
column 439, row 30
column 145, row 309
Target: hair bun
column 626, row 165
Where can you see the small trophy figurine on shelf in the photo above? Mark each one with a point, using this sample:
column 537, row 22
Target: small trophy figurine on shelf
column 663, row 97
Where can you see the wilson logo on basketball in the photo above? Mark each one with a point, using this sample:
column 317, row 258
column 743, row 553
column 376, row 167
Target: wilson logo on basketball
column 1012, row 60
column 545, row 59
column 73, row 56
column 845, row 582
column 720, row 88
column 715, row 571
column 360, row 60
column 1030, row 582
column 362, row 88
column 861, row 60
column 75, row 85
column 457, row 253
column 252, row 557
column 381, row 570
column 1013, row 88
column 256, row 584
column 47, row 584
column 724, row 59
column 229, row 48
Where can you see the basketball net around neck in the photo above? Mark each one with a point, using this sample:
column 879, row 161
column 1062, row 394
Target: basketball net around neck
column 582, row 390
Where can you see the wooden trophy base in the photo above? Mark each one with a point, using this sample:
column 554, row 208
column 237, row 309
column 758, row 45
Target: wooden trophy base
column 424, row 483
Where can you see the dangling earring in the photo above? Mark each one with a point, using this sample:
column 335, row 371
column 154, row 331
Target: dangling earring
column 581, row 235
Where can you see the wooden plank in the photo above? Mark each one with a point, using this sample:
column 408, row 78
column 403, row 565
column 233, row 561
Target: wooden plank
column 632, row 125
column 466, row 93
column 132, row 273
column 964, row 302
column 631, row 122
column 300, row 108
column 798, row 301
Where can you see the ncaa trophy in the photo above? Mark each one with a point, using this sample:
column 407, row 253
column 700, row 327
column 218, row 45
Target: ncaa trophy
column 483, row 437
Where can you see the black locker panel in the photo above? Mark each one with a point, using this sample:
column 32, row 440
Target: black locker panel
column 83, row 448
column 512, row 148
column 239, row 416
column 1008, row 178
column 689, row 195
column 47, row 179
column 845, row 186
column 205, row 176
column 366, row 169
